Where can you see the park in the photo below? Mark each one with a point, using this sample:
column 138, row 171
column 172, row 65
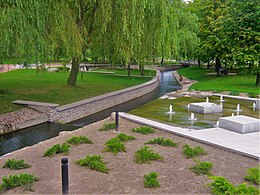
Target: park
column 129, row 97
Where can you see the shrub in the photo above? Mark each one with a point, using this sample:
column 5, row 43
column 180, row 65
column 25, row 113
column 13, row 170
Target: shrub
column 150, row 180
column 16, row 164
column 108, row 126
column 76, row 140
column 144, row 130
column 252, row 95
column 190, row 153
column 253, row 175
column 123, row 137
column 221, row 186
column 24, row 180
column 145, row 155
column 57, row 149
column 163, row 142
column 234, row 93
column 202, row 168
column 114, row 145
column 93, row 162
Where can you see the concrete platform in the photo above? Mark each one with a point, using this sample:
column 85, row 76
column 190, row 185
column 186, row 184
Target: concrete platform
column 257, row 104
column 205, row 107
column 244, row 144
column 240, row 124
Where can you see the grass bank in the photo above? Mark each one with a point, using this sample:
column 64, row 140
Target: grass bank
column 235, row 84
column 52, row 88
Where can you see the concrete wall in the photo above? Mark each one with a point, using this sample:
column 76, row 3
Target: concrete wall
column 83, row 108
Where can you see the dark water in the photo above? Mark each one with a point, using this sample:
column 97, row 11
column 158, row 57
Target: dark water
column 33, row 135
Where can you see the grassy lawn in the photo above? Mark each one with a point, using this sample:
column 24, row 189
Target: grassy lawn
column 52, row 88
column 238, row 83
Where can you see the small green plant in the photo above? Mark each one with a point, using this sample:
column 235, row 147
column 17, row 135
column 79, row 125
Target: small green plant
column 115, row 145
column 252, row 95
column 123, row 137
column 108, row 126
column 253, row 175
column 150, row 180
column 144, row 130
column 24, row 180
column 202, row 168
column 190, row 153
column 57, row 149
column 145, row 155
column 163, row 142
column 16, row 164
column 234, row 93
column 93, row 162
column 76, row 140
column 221, row 186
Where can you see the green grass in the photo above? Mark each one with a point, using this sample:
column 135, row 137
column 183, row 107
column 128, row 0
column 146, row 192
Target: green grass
column 76, row 140
column 15, row 164
column 51, row 87
column 220, row 186
column 144, row 130
column 108, row 126
column 192, row 152
column 150, row 180
column 93, row 162
column 145, row 155
column 24, row 180
column 253, row 175
column 57, row 149
column 115, row 145
column 239, row 83
column 124, row 72
column 162, row 141
column 202, row 168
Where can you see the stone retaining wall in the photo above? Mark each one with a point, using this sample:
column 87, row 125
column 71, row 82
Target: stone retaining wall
column 83, row 108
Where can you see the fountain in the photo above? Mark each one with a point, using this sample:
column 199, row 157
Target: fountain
column 217, row 124
column 238, row 108
column 188, row 106
column 207, row 99
column 233, row 114
column 192, row 117
column 254, row 105
column 170, row 110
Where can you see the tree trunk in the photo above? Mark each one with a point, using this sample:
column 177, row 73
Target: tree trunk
column 128, row 69
column 73, row 73
column 199, row 62
column 162, row 60
column 208, row 64
column 218, row 66
column 257, row 83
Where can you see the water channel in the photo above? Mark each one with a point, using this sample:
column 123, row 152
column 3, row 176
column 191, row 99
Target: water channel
column 33, row 135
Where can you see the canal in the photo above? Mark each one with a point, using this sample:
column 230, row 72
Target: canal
column 33, row 135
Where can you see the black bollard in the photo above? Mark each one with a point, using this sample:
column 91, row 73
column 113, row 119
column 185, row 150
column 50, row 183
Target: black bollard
column 65, row 175
column 116, row 129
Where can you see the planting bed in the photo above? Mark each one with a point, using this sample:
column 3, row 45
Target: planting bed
column 125, row 176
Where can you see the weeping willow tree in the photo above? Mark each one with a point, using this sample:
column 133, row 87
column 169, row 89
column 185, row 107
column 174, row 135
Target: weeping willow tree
column 121, row 31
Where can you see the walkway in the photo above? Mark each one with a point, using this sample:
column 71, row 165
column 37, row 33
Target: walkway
column 245, row 144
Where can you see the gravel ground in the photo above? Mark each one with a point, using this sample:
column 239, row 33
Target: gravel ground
column 125, row 176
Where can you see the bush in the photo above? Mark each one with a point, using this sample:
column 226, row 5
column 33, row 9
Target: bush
column 234, row 93
column 93, row 162
column 123, row 137
column 202, row 168
column 190, row 153
column 144, row 130
column 76, row 140
column 108, row 126
column 163, row 142
column 145, row 155
column 15, row 164
column 221, row 186
column 150, row 180
column 115, row 146
column 253, row 175
column 253, row 95
column 24, row 180
column 57, row 149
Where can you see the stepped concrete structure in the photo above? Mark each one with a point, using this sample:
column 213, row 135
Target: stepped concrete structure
column 205, row 107
column 240, row 124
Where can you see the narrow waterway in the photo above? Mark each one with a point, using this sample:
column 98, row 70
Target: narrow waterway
column 33, row 135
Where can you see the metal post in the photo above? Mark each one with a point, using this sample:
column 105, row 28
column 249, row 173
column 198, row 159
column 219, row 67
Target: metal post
column 116, row 118
column 65, row 175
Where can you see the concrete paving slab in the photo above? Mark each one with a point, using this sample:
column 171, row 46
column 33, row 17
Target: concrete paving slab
column 244, row 144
